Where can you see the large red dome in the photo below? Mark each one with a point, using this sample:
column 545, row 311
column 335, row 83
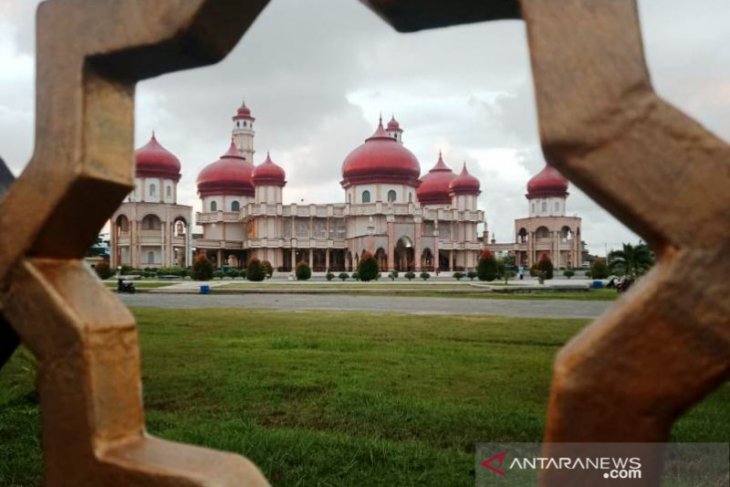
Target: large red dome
column 548, row 182
column 268, row 173
column 154, row 161
column 465, row 183
column 229, row 175
column 434, row 187
column 381, row 159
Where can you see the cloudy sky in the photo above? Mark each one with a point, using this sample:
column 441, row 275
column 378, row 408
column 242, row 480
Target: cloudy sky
column 317, row 74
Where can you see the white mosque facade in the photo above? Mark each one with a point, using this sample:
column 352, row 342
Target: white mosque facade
column 408, row 221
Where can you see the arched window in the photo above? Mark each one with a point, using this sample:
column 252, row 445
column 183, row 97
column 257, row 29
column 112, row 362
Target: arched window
column 153, row 190
column 557, row 206
column 151, row 222
column 391, row 196
column 169, row 191
column 366, row 196
column 349, row 198
column 410, row 197
column 150, row 257
column 213, row 206
column 235, row 206
column 544, row 206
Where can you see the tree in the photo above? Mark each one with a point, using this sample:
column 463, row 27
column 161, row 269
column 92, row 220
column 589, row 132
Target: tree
column 343, row 276
column 599, row 269
column 631, row 261
column 202, row 268
column 367, row 268
column 103, row 270
column 268, row 268
column 303, row 272
column 568, row 272
column 545, row 265
column 425, row 276
column 409, row 275
column 487, row 267
column 255, row 271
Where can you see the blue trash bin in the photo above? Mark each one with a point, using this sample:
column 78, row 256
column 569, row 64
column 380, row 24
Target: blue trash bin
column 597, row 285
column 205, row 289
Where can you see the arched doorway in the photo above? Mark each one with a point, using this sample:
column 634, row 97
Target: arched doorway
column 427, row 260
column 404, row 258
column 382, row 258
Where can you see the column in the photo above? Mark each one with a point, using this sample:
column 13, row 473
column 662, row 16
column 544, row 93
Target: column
column 293, row 258
column 327, row 259
column 219, row 258
column 391, row 245
column 187, row 245
column 133, row 244
column 113, row 261
column 451, row 260
column 311, row 258
column 417, row 246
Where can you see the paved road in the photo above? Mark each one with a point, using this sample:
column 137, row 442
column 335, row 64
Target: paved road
column 298, row 302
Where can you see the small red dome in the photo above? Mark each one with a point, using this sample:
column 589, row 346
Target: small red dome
column 381, row 159
column 269, row 173
column 394, row 125
column 243, row 112
column 229, row 175
column 154, row 161
column 465, row 183
column 548, row 182
column 434, row 187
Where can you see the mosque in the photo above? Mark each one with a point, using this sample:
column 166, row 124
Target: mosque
column 407, row 221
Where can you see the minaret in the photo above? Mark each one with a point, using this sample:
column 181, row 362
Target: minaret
column 243, row 131
column 394, row 129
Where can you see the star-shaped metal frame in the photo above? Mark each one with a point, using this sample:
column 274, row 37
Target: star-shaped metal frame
column 627, row 377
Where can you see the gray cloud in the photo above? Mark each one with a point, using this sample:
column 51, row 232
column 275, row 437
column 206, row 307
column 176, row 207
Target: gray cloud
column 317, row 74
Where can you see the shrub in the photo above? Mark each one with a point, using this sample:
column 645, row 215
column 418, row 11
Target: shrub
column 487, row 268
column 393, row 275
column 425, row 275
column 126, row 270
column 545, row 265
column 599, row 269
column 329, row 276
column 202, row 268
column 471, row 275
column 356, row 276
column 458, row 276
column 255, row 271
column 268, row 269
column 367, row 268
column 218, row 274
column 103, row 270
column 568, row 273
column 343, row 276
column 303, row 272
column 232, row 273
column 409, row 275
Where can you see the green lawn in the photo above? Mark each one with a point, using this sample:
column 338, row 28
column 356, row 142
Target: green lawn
column 142, row 284
column 337, row 398
column 416, row 289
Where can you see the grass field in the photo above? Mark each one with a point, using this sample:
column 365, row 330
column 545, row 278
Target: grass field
column 337, row 398
column 141, row 284
column 421, row 290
